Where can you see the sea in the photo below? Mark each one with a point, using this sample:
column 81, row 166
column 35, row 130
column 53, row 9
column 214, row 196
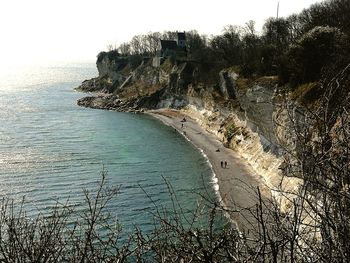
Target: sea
column 51, row 150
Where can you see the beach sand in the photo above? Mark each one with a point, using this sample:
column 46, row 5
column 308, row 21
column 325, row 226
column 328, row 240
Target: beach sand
column 237, row 182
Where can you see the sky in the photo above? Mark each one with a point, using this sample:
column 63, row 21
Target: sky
column 35, row 32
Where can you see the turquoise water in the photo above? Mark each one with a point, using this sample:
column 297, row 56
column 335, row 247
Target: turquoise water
column 51, row 149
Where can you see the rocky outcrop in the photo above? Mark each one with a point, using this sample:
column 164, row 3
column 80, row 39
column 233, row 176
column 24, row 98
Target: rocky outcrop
column 113, row 67
column 228, row 83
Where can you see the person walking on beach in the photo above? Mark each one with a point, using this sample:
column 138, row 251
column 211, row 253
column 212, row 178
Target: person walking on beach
column 222, row 164
column 225, row 164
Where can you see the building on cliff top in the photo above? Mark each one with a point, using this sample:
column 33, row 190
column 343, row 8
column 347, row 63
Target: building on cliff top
column 166, row 46
column 171, row 48
column 181, row 40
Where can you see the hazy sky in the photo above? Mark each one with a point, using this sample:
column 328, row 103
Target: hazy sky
column 44, row 31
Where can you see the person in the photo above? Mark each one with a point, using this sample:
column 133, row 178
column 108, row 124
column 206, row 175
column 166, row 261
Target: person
column 222, row 164
column 182, row 125
column 225, row 164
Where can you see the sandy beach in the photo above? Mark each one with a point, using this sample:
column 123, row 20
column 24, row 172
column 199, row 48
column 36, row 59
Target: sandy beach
column 237, row 182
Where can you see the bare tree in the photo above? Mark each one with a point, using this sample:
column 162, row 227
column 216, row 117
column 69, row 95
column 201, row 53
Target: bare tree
column 152, row 42
column 111, row 47
column 125, row 49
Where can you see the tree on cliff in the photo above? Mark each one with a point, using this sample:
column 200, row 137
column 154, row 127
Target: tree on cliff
column 318, row 48
column 125, row 49
column 195, row 43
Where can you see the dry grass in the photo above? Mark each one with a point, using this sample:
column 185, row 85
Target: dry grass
column 267, row 81
column 306, row 94
column 243, row 83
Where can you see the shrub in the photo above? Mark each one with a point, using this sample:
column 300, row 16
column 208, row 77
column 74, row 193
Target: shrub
column 315, row 50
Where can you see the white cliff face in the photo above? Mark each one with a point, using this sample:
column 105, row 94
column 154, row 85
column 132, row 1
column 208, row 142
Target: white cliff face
column 257, row 105
column 257, row 129
column 252, row 147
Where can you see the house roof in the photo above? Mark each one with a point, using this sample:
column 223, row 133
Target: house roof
column 181, row 36
column 168, row 44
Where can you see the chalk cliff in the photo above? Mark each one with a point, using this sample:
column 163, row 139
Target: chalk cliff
column 249, row 116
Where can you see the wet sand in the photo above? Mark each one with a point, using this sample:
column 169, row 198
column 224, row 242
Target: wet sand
column 237, row 182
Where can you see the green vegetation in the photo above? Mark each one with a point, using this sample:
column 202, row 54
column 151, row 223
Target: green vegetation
column 318, row 48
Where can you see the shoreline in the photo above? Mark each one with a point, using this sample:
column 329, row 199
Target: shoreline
column 234, row 185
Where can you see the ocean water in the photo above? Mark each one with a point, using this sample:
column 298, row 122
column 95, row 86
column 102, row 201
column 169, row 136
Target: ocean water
column 51, row 149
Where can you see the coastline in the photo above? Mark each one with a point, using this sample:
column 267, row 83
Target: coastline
column 236, row 184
